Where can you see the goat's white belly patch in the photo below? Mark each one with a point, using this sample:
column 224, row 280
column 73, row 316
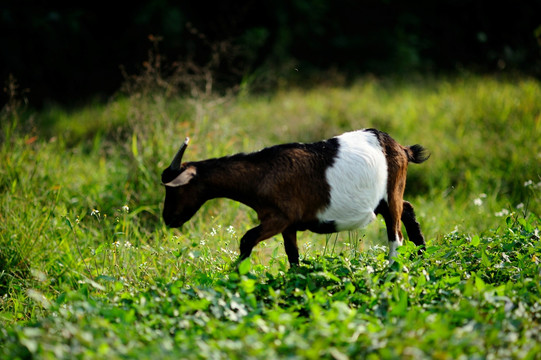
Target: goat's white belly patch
column 357, row 179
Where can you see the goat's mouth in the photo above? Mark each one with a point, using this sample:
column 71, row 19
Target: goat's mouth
column 174, row 223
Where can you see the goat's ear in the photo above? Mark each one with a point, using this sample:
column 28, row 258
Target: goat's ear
column 183, row 178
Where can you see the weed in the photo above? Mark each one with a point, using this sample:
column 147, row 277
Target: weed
column 89, row 270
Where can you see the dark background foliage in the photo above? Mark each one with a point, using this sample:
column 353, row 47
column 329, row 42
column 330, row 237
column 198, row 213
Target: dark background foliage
column 69, row 51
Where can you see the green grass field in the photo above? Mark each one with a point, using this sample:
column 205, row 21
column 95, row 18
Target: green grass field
column 88, row 269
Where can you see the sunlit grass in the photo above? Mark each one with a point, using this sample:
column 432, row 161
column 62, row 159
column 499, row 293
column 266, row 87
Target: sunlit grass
column 68, row 176
column 89, row 270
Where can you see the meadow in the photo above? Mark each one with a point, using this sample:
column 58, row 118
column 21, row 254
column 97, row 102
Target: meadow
column 88, row 270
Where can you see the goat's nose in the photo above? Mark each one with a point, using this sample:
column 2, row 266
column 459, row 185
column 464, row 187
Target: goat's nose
column 173, row 223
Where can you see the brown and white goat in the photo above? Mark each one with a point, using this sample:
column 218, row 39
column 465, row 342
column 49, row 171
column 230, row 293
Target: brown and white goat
column 327, row 186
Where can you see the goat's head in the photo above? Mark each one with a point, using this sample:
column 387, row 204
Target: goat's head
column 182, row 198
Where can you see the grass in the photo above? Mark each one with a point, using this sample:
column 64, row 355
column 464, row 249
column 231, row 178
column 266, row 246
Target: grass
column 87, row 268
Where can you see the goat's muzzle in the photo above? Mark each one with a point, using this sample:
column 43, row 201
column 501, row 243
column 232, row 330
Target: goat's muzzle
column 173, row 223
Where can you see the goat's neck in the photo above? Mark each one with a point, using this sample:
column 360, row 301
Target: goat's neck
column 232, row 178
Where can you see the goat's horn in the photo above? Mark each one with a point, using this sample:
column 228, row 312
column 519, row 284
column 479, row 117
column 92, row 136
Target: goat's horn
column 175, row 164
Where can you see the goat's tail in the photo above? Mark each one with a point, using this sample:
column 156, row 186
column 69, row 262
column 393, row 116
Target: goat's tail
column 416, row 154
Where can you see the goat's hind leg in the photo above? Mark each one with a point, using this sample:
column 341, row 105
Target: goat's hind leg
column 412, row 226
column 391, row 214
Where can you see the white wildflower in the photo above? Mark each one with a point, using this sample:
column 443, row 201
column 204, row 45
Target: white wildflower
column 116, row 244
column 213, row 232
column 202, row 242
column 229, row 251
column 528, row 183
column 127, row 244
column 520, row 206
column 126, row 208
column 478, row 202
column 502, row 213
column 95, row 212
column 231, row 230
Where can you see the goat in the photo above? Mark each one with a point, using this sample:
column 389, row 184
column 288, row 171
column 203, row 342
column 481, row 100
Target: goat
column 328, row 186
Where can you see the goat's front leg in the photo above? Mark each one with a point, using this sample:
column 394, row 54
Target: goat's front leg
column 290, row 244
column 270, row 226
column 248, row 241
